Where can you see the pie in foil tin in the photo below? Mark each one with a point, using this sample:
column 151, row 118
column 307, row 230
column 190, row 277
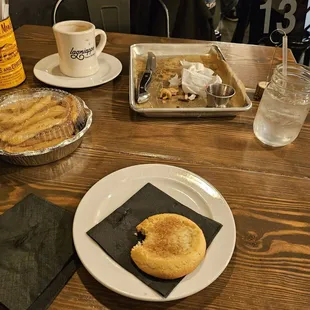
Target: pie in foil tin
column 41, row 125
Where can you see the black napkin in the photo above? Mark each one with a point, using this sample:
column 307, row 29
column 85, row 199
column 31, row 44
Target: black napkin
column 37, row 256
column 116, row 233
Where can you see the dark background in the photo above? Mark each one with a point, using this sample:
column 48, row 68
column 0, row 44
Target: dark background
column 40, row 12
column 189, row 19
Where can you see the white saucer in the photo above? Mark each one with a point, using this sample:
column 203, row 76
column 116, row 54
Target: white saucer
column 47, row 71
column 188, row 188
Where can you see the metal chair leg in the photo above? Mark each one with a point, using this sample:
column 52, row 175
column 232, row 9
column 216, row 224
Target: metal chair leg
column 167, row 17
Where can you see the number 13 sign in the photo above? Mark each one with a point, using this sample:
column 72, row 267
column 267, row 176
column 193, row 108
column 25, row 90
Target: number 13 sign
column 288, row 15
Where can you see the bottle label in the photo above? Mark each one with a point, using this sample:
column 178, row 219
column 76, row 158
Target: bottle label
column 11, row 68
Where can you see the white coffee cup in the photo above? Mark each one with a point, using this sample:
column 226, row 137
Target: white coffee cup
column 76, row 44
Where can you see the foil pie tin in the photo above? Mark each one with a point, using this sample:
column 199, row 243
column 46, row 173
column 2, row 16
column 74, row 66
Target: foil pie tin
column 53, row 153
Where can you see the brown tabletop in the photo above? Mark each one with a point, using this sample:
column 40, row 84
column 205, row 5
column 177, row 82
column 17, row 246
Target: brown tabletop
column 267, row 189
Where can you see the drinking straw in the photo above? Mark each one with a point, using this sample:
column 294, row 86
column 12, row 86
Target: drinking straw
column 284, row 48
column 284, row 54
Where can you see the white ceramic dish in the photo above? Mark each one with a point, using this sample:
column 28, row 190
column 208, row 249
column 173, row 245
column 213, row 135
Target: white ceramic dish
column 188, row 188
column 47, row 71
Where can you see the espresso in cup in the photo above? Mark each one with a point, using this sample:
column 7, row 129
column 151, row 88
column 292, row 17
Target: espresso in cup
column 76, row 44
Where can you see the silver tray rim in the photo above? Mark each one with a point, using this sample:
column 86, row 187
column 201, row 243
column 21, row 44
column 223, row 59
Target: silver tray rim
column 78, row 136
column 179, row 111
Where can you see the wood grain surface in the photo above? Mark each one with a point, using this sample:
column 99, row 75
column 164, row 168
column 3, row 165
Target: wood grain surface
column 267, row 189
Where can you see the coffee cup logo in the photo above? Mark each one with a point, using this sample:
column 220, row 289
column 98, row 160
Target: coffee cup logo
column 82, row 54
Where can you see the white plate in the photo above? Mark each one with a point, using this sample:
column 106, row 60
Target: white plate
column 188, row 188
column 47, row 71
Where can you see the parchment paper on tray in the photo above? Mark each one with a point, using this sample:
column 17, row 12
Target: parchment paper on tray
column 116, row 233
column 168, row 64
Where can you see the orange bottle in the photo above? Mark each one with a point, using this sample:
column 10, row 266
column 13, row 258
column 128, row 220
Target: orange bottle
column 11, row 68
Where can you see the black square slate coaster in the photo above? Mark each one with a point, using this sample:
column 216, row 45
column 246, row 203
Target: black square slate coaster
column 37, row 255
column 116, row 233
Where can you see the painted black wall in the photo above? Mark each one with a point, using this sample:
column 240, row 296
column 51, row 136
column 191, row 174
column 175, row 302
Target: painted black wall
column 40, row 12
column 188, row 18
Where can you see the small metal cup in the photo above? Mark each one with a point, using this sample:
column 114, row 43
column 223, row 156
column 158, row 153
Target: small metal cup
column 219, row 94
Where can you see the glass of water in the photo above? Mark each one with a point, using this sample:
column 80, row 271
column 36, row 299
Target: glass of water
column 284, row 106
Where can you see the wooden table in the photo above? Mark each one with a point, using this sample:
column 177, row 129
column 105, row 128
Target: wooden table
column 267, row 189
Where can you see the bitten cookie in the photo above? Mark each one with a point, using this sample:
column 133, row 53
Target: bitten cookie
column 173, row 246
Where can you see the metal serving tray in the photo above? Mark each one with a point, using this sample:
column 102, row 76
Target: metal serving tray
column 179, row 49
